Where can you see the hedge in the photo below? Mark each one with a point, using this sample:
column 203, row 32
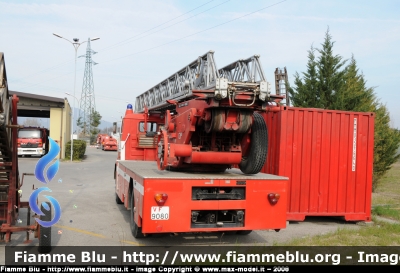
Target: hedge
column 79, row 149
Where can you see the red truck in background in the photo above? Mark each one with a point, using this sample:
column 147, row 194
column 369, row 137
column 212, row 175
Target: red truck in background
column 98, row 140
column 107, row 142
column 33, row 141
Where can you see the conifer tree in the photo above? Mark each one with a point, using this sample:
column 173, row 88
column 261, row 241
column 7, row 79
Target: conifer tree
column 355, row 96
column 308, row 92
column 331, row 84
column 330, row 74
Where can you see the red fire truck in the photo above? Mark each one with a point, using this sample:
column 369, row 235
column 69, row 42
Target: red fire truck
column 33, row 141
column 98, row 140
column 174, row 170
column 107, row 143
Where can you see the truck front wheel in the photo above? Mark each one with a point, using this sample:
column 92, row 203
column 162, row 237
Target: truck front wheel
column 135, row 229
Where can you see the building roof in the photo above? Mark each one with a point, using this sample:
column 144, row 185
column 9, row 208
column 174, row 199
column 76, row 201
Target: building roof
column 35, row 96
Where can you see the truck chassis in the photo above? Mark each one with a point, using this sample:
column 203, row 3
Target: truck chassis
column 199, row 202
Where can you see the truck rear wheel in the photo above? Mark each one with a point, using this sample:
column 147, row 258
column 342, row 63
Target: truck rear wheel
column 253, row 162
column 135, row 229
column 45, row 232
column 118, row 200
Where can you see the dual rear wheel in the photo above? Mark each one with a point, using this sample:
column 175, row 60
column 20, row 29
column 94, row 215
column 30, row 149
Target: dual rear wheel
column 254, row 160
column 135, row 229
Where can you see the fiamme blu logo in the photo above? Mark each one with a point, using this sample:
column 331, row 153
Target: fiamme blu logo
column 45, row 176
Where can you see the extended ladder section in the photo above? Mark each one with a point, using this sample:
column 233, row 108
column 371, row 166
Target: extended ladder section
column 199, row 74
column 202, row 74
column 244, row 70
column 246, row 74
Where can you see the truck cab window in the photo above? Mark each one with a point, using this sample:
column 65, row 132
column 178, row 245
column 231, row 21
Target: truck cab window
column 151, row 127
column 29, row 134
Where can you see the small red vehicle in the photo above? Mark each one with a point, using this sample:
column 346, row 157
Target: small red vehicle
column 106, row 142
column 98, row 140
column 33, row 141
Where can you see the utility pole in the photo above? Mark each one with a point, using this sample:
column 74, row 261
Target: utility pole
column 76, row 45
column 87, row 101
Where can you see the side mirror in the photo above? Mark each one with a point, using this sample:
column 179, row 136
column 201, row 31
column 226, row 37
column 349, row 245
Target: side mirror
column 114, row 127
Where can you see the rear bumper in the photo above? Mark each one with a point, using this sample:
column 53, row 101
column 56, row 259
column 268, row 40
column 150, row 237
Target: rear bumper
column 201, row 202
column 30, row 151
column 110, row 148
column 253, row 212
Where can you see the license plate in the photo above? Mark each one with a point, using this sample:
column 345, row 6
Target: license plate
column 159, row 213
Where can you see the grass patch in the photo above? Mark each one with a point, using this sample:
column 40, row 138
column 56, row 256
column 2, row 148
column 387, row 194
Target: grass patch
column 390, row 184
column 389, row 211
column 379, row 234
column 386, row 198
column 379, row 199
column 385, row 202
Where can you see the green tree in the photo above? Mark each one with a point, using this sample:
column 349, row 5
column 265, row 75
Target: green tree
column 81, row 124
column 330, row 74
column 329, row 83
column 322, row 85
column 387, row 141
column 308, row 92
column 355, row 95
column 95, row 119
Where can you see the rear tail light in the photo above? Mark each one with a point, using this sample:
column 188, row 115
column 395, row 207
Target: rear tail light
column 273, row 198
column 161, row 198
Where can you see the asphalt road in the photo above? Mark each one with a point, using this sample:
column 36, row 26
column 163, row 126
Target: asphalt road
column 91, row 217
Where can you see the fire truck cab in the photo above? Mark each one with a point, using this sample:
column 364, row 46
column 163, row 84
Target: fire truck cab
column 33, row 141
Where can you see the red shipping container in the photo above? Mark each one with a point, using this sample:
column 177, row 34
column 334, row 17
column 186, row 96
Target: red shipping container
column 328, row 157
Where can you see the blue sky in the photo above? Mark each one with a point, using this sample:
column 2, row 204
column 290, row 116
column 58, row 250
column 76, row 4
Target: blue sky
column 143, row 42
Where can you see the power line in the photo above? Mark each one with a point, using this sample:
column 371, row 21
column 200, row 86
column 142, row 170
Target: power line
column 123, row 42
column 34, row 84
column 176, row 40
column 126, row 41
column 46, row 69
column 173, row 41
column 115, row 45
